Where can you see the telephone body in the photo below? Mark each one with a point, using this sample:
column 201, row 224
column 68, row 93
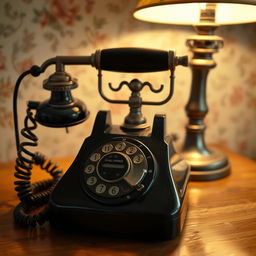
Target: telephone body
column 128, row 184
column 125, row 180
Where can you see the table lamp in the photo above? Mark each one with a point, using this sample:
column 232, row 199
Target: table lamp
column 205, row 15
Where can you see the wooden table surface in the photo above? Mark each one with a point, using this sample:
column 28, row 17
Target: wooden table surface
column 221, row 221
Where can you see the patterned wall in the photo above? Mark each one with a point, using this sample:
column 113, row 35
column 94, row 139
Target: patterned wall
column 32, row 31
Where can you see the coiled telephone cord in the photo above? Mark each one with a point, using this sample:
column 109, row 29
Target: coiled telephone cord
column 32, row 195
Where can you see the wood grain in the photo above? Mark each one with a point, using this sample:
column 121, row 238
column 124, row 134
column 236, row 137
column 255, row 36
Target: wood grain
column 221, row 221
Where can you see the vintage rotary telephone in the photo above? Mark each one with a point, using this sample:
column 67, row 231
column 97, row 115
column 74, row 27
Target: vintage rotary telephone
column 125, row 179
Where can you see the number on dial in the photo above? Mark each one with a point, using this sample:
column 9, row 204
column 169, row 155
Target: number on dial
column 131, row 150
column 101, row 188
column 138, row 159
column 120, row 146
column 89, row 169
column 91, row 180
column 113, row 191
column 107, row 148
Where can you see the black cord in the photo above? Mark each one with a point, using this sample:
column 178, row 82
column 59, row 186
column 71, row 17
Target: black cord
column 34, row 71
column 31, row 195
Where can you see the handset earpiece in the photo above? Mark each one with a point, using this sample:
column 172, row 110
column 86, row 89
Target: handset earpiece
column 61, row 110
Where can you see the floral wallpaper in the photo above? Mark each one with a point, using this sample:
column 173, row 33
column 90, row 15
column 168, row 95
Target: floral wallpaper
column 32, row 31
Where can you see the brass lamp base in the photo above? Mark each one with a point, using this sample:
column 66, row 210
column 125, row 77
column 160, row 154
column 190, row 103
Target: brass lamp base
column 211, row 165
column 206, row 164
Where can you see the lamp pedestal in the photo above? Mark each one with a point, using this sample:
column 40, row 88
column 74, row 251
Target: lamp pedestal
column 206, row 163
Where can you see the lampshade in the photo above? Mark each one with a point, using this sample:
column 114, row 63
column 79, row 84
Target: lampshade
column 187, row 12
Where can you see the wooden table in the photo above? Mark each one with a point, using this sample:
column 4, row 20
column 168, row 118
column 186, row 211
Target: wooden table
column 221, row 221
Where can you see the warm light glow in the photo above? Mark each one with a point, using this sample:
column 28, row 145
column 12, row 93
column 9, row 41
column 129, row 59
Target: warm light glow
column 189, row 13
column 202, row 6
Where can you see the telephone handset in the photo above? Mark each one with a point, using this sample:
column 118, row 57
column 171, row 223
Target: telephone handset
column 125, row 179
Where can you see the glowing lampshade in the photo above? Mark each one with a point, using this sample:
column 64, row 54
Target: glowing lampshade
column 185, row 12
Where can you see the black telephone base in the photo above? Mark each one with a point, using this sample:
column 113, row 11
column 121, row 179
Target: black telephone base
column 133, row 185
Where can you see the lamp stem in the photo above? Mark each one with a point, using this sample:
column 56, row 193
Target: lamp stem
column 206, row 163
column 196, row 110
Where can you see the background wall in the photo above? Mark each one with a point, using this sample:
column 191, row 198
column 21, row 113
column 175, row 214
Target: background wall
column 32, row 31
